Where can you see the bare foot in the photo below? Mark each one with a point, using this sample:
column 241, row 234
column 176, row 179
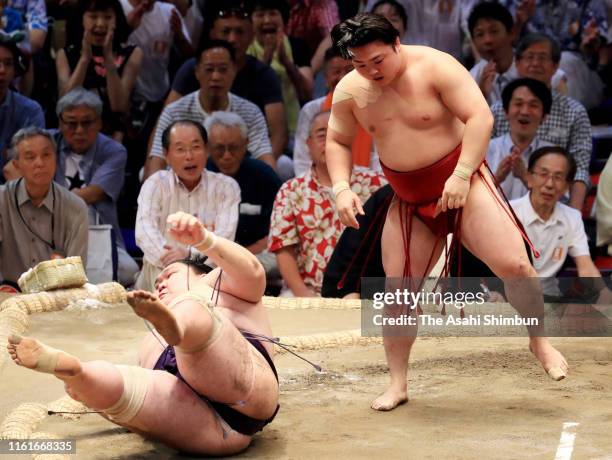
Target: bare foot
column 552, row 360
column 148, row 306
column 30, row 353
column 390, row 399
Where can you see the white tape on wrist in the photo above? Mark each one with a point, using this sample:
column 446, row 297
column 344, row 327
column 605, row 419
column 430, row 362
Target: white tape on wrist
column 340, row 187
column 207, row 243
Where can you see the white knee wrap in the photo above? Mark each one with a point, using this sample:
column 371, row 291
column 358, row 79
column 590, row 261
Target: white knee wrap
column 135, row 383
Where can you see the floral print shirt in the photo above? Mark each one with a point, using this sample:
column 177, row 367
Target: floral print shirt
column 305, row 216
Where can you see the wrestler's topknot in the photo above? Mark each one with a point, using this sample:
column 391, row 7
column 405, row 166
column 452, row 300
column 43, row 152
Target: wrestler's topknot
column 360, row 30
column 198, row 263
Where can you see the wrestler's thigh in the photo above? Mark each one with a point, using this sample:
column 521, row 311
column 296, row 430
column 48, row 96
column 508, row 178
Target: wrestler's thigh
column 489, row 233
column 422, row 243
column 173, row 414
column 231, row 370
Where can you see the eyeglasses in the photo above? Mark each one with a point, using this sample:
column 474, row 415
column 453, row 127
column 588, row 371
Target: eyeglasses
column 557, row 178
column 74, row 125
column 539, row 58
column 237, row 12
column 219, row 149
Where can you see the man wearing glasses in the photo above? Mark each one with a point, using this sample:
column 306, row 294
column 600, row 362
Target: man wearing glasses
column 227, row 133
column 38, row 219
column 567, row 125
column 555, row 229
column 92, row 166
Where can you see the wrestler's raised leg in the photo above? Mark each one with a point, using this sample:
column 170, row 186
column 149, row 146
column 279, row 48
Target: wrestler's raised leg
column 484, row 225
column 399, row 343
column 214, row 358
column 148, row 306
column 170, row 412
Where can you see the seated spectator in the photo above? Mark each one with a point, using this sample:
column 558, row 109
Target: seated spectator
column 92, row 166
column 335, row 67
column 38, row 219
column 526, row 103
column 490, row 26
column 255, row 81
column 603, row 208
column 285, row 54
column 16, row 111
column 580, row 27
column 567, row 125
column 96, row 58
column 311, row 21
column 35, row 14
column 215, row 71
column 491, row 29
column 156, row 28
column 227, row 141
column 211, row 197
column 305, row 225
column 556, row 230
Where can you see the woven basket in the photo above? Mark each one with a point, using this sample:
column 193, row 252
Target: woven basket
column 53, row 274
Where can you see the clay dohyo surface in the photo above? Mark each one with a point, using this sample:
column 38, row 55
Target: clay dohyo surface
column 469, row 397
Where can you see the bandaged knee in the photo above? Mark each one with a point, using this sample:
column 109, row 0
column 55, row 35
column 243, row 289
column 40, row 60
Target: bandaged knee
column 135, row 384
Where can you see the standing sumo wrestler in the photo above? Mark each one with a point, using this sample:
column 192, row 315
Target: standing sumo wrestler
column 431, row 126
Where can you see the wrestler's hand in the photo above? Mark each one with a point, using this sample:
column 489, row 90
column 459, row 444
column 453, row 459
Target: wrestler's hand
column 346, row 203
column 185, row 228
column 454, row 194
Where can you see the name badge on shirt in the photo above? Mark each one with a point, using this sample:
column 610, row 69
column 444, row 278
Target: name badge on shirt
column 250, row 209
column 557, row 254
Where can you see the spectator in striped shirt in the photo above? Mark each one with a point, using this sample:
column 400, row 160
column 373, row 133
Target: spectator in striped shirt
column 567, row 125
column 211, row 197
column 215, row 70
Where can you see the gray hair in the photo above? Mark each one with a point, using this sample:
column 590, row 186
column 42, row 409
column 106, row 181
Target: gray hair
column 79, row 97
column 227, row 119
column 317, row 115
column 27, row 133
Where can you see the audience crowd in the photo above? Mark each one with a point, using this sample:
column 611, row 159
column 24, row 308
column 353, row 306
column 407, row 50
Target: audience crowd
column 118, row 113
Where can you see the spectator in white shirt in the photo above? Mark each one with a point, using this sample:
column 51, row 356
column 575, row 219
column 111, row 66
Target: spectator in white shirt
column 211, row 197
column 215, row 71
column 526, row 103
column 556, row 230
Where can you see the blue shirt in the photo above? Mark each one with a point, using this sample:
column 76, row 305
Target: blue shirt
column 16, row 112
column 35, row 12
column 500, row 148
column 102, row 165
column 258, row 187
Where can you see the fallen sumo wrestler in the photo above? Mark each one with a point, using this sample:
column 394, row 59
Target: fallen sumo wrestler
column 209, row 383
column 419, row 104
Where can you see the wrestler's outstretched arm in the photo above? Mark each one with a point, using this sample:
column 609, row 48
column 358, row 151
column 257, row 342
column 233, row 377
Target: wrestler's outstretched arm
column 461, row 95
column 341, row 131
column 243, row 275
